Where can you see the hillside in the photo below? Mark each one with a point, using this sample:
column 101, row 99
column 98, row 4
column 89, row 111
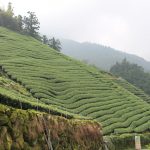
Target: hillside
column 67, row 85
column 133, row 73
column 25, row 128
column 98, row 55
column 135, row 90
column 13, row 94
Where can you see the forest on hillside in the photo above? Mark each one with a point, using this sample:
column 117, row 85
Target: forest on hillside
column 132, row 73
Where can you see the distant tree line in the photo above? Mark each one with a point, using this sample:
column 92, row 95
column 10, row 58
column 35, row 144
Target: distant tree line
column 132, row 73
column 28, row 25
column 53, row 43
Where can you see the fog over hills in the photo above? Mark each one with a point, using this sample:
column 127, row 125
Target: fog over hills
column 102, row 56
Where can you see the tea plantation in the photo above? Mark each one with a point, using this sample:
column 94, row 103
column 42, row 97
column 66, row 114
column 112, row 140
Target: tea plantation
column 62, row 85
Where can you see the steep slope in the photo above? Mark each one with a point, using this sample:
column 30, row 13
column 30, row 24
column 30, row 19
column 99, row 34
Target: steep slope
column 98, row 55
column 29, row 129
column 135, row 90
column 66, row 84
column 13, row 94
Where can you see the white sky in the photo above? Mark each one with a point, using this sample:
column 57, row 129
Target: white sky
column 121, row 24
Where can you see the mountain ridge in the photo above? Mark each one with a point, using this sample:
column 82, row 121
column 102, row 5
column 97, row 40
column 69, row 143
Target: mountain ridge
column 101, row 56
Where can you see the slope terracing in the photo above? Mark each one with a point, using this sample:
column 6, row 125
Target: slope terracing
column 71, row 86
column 33, row 130
column 135, row 90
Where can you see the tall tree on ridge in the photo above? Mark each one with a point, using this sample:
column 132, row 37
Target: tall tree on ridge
column 55, row 44
column 45, row 39
column 31, row 24
column 19, row 20
column 10, row 10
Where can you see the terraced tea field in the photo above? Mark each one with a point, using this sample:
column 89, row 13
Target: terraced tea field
column 15, row 95
column 57, row 81
column 135, row 90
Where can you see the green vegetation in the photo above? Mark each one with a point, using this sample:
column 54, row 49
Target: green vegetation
column 8, row 20
column 126, row 141
column 55, row 44
column 13, row 94
column 31, row 25
column 28, row 25
column 24, row 129
column 62, row 83
column 135, row 90
column 52, row 43
column 132, row 73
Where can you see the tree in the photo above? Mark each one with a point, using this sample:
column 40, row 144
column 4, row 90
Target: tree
column 28, row 25
column 8, row 20
column 45, row 39
column 55, row 44
column 19, row 20
column 132, row 73
column 10, row 10
column 31, row 24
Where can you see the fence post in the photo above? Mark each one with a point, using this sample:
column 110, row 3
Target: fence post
column 137, row 143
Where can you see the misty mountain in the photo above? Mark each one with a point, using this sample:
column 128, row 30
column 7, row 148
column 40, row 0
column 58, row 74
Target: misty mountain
column 101, row 56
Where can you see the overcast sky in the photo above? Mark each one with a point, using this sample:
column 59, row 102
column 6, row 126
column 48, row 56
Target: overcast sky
column 121, row 24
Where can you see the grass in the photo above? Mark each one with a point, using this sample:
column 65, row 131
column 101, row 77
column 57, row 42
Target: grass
column 66, row 86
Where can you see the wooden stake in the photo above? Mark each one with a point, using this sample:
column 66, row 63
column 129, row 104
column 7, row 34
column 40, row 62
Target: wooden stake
column 137, row 143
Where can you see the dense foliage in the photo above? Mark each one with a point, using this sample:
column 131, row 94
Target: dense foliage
column 53, row 43
column 28, row 25
column 132, row 73
column 71, row 86
column 31, row 24
column 8, row 20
